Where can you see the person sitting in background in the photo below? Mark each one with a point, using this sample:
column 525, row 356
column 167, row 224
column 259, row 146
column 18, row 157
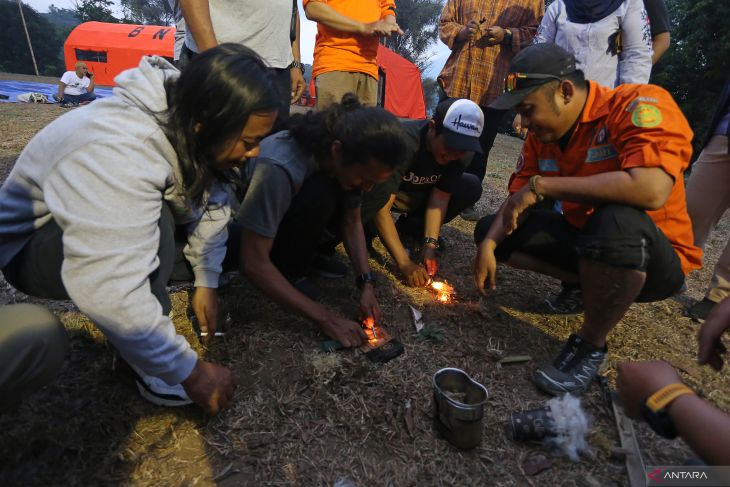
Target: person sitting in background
column 94, row 219
column 654, row 391
column 76, row 87
column 616, row 159
column 431, row 188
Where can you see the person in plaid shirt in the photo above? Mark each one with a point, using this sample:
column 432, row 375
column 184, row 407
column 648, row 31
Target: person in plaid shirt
column 483, row 36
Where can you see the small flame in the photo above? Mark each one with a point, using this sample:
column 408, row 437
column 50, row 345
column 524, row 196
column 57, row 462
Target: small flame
column 370, row 329
column 444, row 291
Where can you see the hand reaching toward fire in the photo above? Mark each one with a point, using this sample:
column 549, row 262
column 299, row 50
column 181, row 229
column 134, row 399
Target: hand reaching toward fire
column 415, row 274
column 369, row 306
column 428, row 257
column 347, row 332
column 485, row 266
column 205, row 307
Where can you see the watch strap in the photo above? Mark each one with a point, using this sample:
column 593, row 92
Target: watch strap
column 664, row 396
column 533, row 187
column 363, row 279
column 431, row 241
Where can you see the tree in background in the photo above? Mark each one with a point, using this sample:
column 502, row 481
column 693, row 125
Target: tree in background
column 14, row 55
column 98, row 10
column 698, row 62
column 147, row 12
column 430, row 94
column 419, row 21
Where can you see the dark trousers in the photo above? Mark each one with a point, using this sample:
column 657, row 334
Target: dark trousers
column 78, row 98
column 36, row 269
column 615, row 235
column 282, row 78
column 492, row 121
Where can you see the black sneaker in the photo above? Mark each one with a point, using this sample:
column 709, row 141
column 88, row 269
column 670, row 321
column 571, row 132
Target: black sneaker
column 573, row 369
column 699, row 311
column 569, row 301
column 153, row 389
column 470, row 214
column 329, row 267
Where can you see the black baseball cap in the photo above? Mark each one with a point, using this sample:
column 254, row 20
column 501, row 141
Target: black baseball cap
column 530, row 69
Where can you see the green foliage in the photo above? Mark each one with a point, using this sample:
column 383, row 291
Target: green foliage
column 432, row 333
column 430, row 93
column 15, row 55
column 698, row 62
column 95, row 10
column 419, row 21
column 147, row 12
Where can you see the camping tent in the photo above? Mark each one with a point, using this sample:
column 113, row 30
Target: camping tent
column 402, row 85
column 109, row 49
column 399, row 88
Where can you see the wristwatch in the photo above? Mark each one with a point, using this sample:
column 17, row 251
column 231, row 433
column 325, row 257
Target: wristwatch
column 363, row 279
column 431, row 241
column 297, row 64
column 654, row 409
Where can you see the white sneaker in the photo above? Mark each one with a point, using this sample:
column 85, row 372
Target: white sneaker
column 159, row 392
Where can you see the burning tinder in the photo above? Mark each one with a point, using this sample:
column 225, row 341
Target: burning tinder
column 444, row 291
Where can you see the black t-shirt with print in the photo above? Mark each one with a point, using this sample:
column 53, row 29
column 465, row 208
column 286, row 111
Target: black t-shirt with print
column 422, row 173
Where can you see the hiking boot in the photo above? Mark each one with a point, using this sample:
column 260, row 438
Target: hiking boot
column 568, row 301
column 471, row 214
column 699, row 311
column 573, row 369
column 329, row 267
column 159, row 392
column 305, row 286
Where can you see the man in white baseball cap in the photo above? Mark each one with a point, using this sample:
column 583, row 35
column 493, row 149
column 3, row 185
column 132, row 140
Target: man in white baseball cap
column 429, row 189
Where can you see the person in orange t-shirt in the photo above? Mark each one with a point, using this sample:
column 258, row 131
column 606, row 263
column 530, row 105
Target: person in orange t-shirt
column 347, row 45
column 611, row 163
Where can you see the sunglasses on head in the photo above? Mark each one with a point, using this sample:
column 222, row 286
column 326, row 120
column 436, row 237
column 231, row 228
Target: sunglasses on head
column 514, row 80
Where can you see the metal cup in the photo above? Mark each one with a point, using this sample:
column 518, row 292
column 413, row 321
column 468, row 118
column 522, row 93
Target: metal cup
column 458, row 407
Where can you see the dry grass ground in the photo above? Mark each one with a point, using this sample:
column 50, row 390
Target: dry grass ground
column 302, row 418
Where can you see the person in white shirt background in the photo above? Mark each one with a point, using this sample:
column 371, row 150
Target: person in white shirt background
column 76, row 87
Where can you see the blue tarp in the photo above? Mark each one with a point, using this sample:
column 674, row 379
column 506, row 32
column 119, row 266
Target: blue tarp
column 14, row 88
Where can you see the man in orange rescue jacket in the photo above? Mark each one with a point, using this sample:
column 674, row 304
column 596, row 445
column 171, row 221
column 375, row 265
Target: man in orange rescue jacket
column 610, row 165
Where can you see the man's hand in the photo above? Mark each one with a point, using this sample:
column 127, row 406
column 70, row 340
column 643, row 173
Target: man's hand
column 469, row 31
column 428, row 257
column 205, row 306
column 297, row 84
column 638, row 380
column 414, row 274
column 485, row 266
column 515, row 206
column 210, row 386
column 369, row 303
column 495, row 35
column 347, row 332
column 711, row 348
column 518, row 128
column 382, row 28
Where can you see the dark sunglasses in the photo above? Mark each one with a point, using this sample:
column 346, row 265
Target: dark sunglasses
column 514, row 80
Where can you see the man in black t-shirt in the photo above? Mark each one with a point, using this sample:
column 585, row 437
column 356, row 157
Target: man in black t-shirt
column 431, row 188
column 658, row 15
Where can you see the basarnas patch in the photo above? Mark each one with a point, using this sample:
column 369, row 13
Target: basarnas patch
column 646, row 116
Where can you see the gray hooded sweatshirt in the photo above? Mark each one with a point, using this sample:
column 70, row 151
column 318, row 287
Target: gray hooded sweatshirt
column 103, row 172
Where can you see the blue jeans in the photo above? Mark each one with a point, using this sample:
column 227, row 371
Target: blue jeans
column 78, row 98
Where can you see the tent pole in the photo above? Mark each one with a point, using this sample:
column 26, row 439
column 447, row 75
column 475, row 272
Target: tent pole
column 27, row 36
